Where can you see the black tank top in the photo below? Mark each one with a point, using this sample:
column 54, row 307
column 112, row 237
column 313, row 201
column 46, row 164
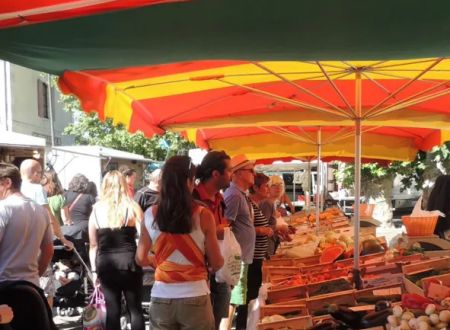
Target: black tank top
column 116, row 249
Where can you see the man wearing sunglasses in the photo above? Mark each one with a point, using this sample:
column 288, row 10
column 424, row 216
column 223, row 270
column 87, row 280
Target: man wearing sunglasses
column 240, row 214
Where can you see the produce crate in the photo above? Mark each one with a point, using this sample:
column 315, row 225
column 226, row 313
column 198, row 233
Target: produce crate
column 318, row 288
column 437, row 287
column 383, row 280
column 288, row 303
column 408, row 259
column 272, row 273
column 436, row 263
column 282, row 310
column 299, row 323
column 291, row 280
column 390, row 268
column 381, row 291
column 339, row 298
column 292, row 262
column 422, row 267
column 286, row 294
column 375, row 258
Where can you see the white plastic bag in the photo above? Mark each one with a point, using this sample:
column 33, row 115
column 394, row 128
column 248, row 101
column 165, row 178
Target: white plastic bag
column 282, row 225
column 254, row 307
column 418, row 212
column 231, row 252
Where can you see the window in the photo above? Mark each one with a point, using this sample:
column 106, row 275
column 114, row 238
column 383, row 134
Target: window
column 42, row 89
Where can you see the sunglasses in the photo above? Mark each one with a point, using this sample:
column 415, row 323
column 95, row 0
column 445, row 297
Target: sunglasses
column 251, row 170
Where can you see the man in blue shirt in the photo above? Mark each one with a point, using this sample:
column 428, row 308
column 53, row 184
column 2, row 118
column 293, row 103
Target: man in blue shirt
column 240, row 214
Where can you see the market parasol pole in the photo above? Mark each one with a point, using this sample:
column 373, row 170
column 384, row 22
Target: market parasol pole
column 356, row 215
column 319, row 179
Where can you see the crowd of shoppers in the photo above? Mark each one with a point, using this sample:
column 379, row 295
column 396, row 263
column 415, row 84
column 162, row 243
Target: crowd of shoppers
column 178, row 220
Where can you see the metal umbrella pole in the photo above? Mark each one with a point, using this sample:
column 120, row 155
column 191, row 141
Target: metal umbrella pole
column 356, row 215
column 319, row 178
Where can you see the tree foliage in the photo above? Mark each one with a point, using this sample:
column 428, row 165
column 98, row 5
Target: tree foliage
column 420, row 174
column 88, row 129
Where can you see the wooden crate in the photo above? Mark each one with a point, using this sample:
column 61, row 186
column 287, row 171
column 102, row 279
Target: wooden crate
column 313, row 288
column 343, row 297
column 375, row 258
column 286, row 294
column 289, row 303
column 436, row 263
column 292, row 262
column 408, row 259
column 441, row 287
column 381, row 290
column 268, row 310
column 414, row 268
column 297, row 323
column 273, row 273
column 390, row 268
column 383, row 280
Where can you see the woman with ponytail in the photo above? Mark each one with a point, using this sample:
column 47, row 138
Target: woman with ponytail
column 112, row 236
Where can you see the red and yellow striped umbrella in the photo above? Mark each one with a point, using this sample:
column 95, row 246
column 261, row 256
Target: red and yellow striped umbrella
column 221, row 94
column 337, row 143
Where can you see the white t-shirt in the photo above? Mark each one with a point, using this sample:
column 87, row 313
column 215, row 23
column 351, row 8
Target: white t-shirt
column 24, row 229
column 182, row 289
column 35, row 192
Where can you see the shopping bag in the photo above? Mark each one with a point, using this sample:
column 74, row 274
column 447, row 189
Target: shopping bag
column 231, row 252
column 94, row 314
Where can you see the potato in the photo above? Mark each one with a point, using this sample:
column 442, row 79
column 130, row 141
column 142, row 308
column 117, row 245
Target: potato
column 430, row 309
column 444, row 316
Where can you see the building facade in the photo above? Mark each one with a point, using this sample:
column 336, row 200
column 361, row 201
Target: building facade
column 26, row 108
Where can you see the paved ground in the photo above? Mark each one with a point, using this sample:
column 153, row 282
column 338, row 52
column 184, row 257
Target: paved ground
column 69, row 323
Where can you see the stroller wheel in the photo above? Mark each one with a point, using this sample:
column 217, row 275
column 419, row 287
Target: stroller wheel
column 70, row 311
column 123, row 323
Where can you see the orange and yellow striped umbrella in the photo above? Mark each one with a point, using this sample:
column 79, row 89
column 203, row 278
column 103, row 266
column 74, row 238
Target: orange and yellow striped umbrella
column 222, row 94
column 379, row 143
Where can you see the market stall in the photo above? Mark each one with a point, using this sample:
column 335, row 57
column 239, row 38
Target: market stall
column 310, row 285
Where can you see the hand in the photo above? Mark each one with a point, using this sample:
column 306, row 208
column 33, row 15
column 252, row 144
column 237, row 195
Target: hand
column 266, row 231
column 67, row 244
column 152, row 260
column 220, row 230
column 6, row 314
column 95, row 280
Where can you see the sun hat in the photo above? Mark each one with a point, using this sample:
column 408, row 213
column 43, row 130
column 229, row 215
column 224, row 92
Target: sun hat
column 239, row 162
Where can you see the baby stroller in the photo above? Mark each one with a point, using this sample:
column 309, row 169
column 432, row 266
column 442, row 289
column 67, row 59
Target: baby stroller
column 73, row 280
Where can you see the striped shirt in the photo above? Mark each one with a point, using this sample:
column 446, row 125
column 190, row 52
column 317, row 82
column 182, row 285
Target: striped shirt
column 262, row 242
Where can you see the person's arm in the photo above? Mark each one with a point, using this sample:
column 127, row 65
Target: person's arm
column 46, row 249
column 93, row 246
column 65, row 215
column 232, row 207
column 57, row 229
column 143, row 258
column 287, row 200
column 6, row 314
column 45, row 257
column 264, row 231
column 213, row 255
